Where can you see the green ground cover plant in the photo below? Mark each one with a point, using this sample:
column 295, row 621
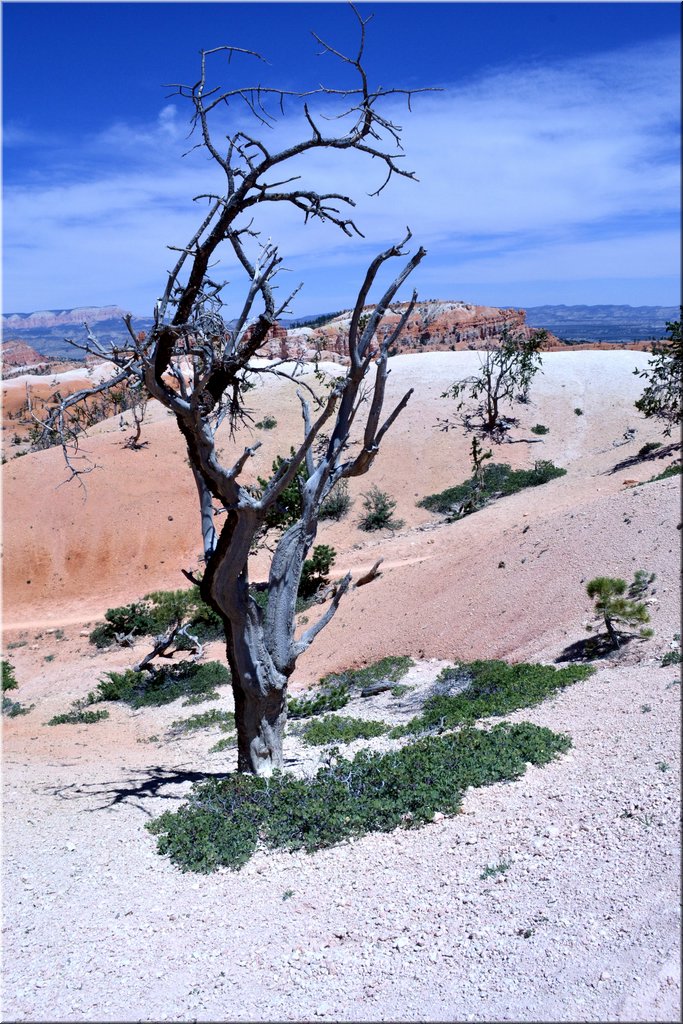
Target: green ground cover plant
column 158, row 686
column 494, row 480
column 12, row 708
column 540, row 428
column 648, row 448
column 224, row 819
column 392, row 668
column 331, row 697
column 334, row 691
column 674, row 470
column 491, row 870
column 337, row 729
column 79, row 716
column 227, row 743
column 490, row 688
column 205, row 720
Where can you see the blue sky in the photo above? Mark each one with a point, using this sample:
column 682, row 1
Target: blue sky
column 549, row 162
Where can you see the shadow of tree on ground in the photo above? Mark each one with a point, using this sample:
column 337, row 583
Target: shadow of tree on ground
column 636, row 460
column 143, row 784
column 593, row 648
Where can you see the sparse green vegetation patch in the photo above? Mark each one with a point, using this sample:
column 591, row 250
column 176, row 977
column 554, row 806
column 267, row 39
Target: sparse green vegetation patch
column 155, row 614
column 490, row 688
column 335, row 690
column 673, row 470
column 331, row 697
column 497, row 480
column 79, row 717
column 337, row 729
column 391, row 668
column 12, row 708
column 158, row 686
column 205, row 720
column 648, row 448
column 225, row 819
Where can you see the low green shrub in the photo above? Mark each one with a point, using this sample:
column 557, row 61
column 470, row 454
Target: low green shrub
column 158, row 686
column 156, row 613
column 671, row 658
column 497, row 480
column 224, row 819
column 337, row 729
column 330, row 698
column 267, row 423
column 205, row 720
column 337, row 503
column 491, row 870
column 648, row 448
column 12, row 708
column 379, row 511
column 401, row 690
column 491, row 688
column 539, row 428
column 79, row 717
column 578, row 411
column 201, row 698
column 134, row 619
column 335, row 689
column 228, row 743
column 391, row 668
column 315, row 571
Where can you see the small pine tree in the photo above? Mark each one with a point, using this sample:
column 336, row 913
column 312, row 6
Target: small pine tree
column 9, row 680
column 315, row 570
column 379, row 511
column 613, row 605
column 663, row 395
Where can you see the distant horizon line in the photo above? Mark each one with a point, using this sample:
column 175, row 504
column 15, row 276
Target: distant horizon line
column 493, row 305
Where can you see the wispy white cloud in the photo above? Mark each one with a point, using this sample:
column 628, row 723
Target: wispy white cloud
column 530, row 174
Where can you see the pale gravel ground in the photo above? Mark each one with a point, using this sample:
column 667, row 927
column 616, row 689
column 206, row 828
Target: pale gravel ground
column 391, row 927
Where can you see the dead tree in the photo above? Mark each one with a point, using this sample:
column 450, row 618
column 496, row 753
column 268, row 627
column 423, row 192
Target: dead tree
column 196, row 361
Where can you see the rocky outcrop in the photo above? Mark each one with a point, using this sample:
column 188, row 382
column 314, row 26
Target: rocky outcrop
column 17, row 353
column 432, row 326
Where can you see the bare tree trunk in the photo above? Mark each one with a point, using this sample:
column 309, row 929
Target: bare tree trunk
column 260, row 694
column 260, row 724
column 611, row 632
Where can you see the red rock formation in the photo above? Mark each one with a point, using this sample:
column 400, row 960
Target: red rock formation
column 18, row 353
column 433, row 326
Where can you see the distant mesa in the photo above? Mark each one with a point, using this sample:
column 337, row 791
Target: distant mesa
column 434, row 325
column 60, row 317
